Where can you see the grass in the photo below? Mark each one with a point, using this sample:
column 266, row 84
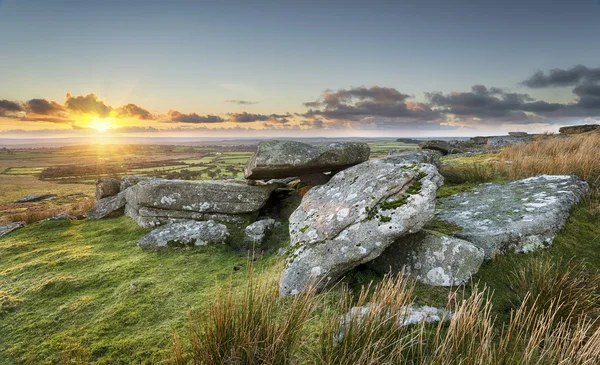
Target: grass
column 67, row 281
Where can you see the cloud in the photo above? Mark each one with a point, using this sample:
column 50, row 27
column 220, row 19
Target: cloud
column 134, row 111
column 89, row 104
column 47, row 119
column 358, row 103
column 558, row 77
column 490, row 105
column 9, row 109
column 177, row 117
column 43, row 107
column 245, row 117
column 241, row 102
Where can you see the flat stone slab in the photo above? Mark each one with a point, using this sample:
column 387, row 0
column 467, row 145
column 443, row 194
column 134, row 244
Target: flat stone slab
column 280, row 159
column 185, row 234
column 36, row 198
column 520, row 216
column 7, row 228
column 354, row 217
column 431, row 258
column 198, row 196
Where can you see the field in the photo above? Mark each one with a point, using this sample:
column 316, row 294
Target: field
column 74, row 170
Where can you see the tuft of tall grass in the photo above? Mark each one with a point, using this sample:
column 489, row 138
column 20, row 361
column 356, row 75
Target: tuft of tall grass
column 477, row 172
column 252, row 327
column 549, row 283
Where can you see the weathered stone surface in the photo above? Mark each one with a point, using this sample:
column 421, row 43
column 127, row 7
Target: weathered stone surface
column 107, row 186
column 445, row 147
column 278, row 159
column 258, row 231
column 106, row 206
column 415, row 157
column 185, row 234
column 354, row 217
column 522, row 215
column 36, row 198
column 518, row 134
column 576, row 129
column 433, row 259
column 7, row 228
column 315, row 179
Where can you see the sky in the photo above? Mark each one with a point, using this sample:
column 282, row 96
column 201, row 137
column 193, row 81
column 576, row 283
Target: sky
column 261, row 68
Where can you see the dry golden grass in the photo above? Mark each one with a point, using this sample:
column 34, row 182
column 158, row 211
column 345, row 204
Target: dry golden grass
column 34, row 212
column 576, row 155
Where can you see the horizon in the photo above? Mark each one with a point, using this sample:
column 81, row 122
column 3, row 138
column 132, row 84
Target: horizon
column 334, row 70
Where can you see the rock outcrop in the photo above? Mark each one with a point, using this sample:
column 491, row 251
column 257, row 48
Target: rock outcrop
column 432, row 258
column 257, row 232
column 577, row 129
column 7, row 228
column 354, row 217
column 185, row 234
column 106, row 187
column 156, row 201
column 107, row 206
column 521, row 216
column 36, row 198
column 279, row 159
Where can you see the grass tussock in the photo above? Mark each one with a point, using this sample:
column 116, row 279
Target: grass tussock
column 569, row 283
column 254, row 327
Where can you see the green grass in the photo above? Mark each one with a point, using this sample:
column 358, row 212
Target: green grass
column 88, row 282
column 23, row 170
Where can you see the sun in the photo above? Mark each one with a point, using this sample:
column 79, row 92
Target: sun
column 101, row 125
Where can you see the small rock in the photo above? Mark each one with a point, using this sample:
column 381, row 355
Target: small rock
column 258, row 231
column 185, row 234
column 407, row 316
column 59, row 216
column 36, row 198
column 7, row 228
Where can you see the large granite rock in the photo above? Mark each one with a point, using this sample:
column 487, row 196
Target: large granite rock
column 278, row 159
column 577, row 129
column 354, row 217
column 151, row 202
column 521, row 216
column 129, row 181
column 501, row 141
column 7, row 228
column 107, row 186
column 36, row 198
column 107, row 206
column 185, row 234
column 432, row 258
